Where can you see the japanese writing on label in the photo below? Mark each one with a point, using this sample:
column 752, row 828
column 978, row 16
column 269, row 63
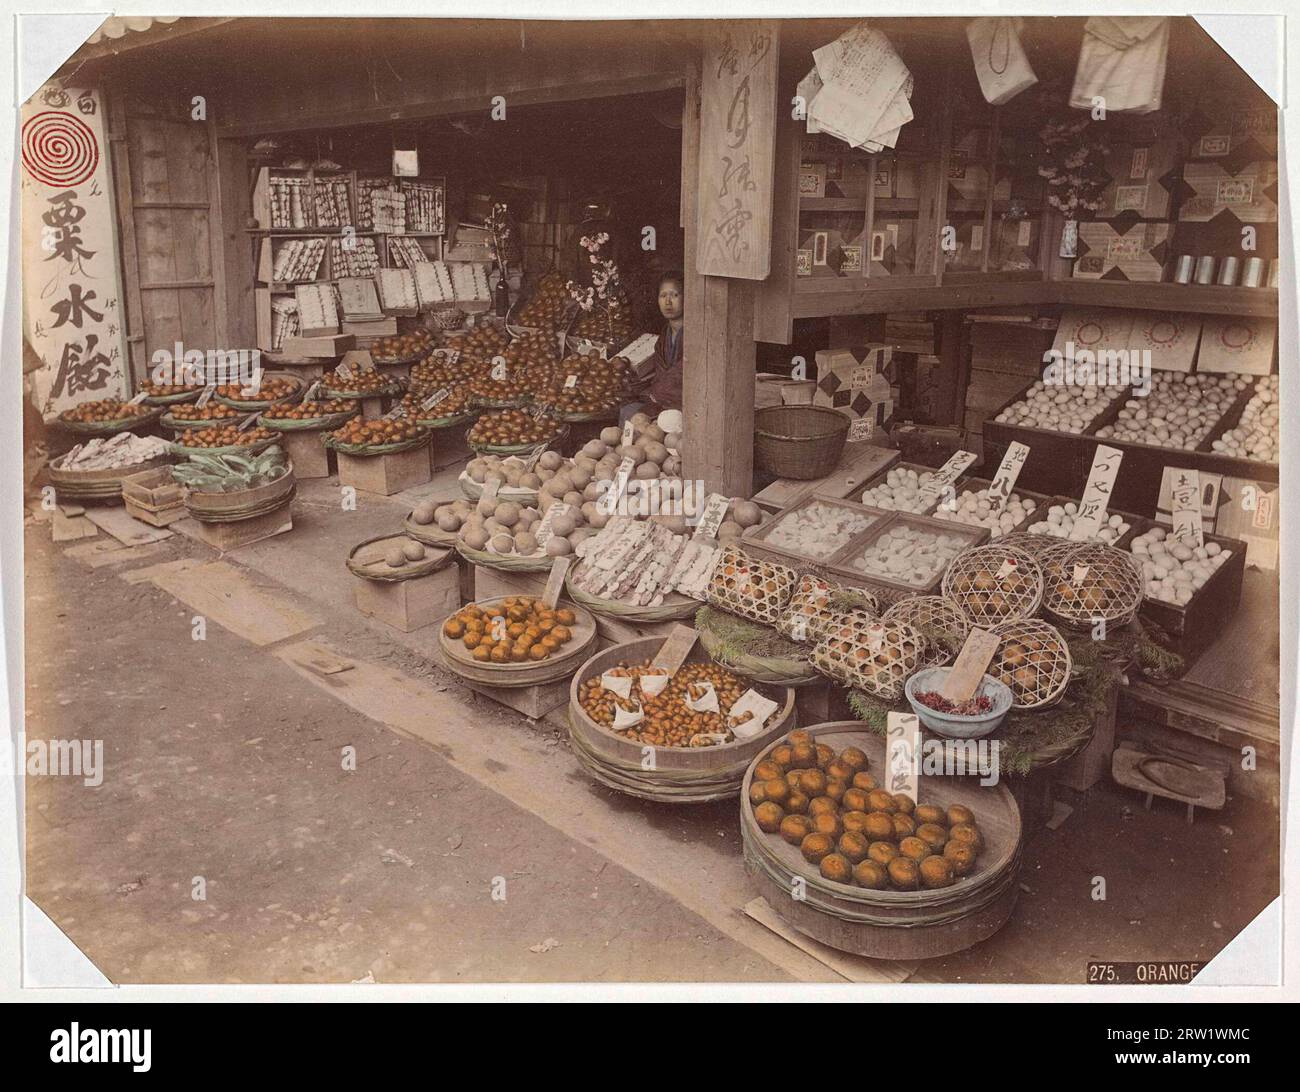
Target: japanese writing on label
column 69, row 258
column 205, row 396
column 1004, row 481
column 737, row 149
column 440, row 395
column 903, row 759
column 1185, row 499
column 947, row 475
column 715, row 508
column 1095, row 501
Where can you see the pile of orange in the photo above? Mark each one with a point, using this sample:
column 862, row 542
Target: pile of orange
column 518, row 629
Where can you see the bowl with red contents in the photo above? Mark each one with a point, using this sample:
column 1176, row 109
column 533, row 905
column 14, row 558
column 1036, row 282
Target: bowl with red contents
column 971, row 719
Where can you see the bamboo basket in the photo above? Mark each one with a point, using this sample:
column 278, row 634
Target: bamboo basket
column 681, row 775
column 674, row 608
column 112, row 428
column 891, row 924
column 173, row 399
column 310, row 424
column 800, row 442
column 170, row 421
column 792, row 670
column 243, row 504
column 1092, row 583
column 256, row 404
column 940, row 622
column 366, row 450
column 429, row 533
column 751, row 587
column 862, row 651
column 366, row 559
column 518, row 449
column 1050, row 660
column 973, row 582
column 474, row 491
column 815, row 603
column 458, row 659
column 98, row 484
column 506, row 563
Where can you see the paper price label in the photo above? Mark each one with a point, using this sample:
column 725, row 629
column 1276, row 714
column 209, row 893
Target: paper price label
column 540, row 410
column 138, row 398
column 559, row 508
column 862, row 377
column 945, row 477
column 555, row 582
column 245, row 425
column 715, row 508
column 344, row 370
column 491, row 487
column 1024, row 232
column 629, row 433
column 1080, row 575
column 1004, row 481
column 903, row 749
column 571, row 381
column 534, row 455
column 1263, row 518
column 1006, row 568
column 312, row 392
column 615, row 492
column 1095, row 501
column 397, row 413
column 972, row 661
column 436, row 398
column 1185, row 500
column 206, row 395
column 863, row 428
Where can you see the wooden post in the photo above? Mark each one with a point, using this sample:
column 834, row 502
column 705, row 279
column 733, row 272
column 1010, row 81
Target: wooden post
column 232, row 249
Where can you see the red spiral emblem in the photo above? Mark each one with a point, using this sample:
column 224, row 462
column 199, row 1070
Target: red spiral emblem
column 59, row 149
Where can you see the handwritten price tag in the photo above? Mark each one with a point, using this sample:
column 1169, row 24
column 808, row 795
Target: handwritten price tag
column 1095, row 501
column 903, row 754
column 715, row 508
column 312, row 392
column 676, row 647
column 946, row 476
column 436, row 398
column 555, row 582
column 615, row 492
column 1186, row 508
column 972, row 662
column 206, row 396
column 1004, row 481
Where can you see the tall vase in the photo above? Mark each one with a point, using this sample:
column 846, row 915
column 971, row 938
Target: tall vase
column 1070, row 239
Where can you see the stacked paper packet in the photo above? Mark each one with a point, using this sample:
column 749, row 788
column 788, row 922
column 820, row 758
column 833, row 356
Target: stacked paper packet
column 859, row 90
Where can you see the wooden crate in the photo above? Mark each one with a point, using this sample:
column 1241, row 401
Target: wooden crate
column 310, row 457
column 1091, row 764
column 531, row 701
column 229, row 536
column 412, row 604
column 323, row 346
column 386, row 474
column 154, row 497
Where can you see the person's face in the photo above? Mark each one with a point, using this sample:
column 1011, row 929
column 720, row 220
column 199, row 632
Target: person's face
column 670, row 300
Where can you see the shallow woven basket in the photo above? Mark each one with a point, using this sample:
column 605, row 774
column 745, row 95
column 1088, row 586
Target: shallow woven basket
column 815, row 603
column 517, row 449
column 111, row 428
column 374, row 567
column 230, row 449
column 309, row 424
column 389, row 390
column 792, row 671
column 507, row 563
column 754, row 589
column 801, row 442
column 674, row 609
column 376, row 449
column 1017, row 652
column 972, row 582
column 449, row 319
column 444, row 422
column 173, row 399
column 863, row 651
column 98, row 484
column 255, row 404
column 1092, row 583
column 940, row 622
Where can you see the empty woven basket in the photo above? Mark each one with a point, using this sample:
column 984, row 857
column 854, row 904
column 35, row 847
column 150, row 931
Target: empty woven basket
column 801, row 442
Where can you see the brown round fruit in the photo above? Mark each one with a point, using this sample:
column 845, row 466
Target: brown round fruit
column 769, row 816
column 904, row 873
column 928, row 813
column 880, row 825
column 795, row 828
column 813, row 782
column 855, row 821
column 835, row 866
column 961, row 856
column 936, row 872
column 881, row 800
column 914, row 848
column 853, row 845
column 856, row 800
column 796, row 803
column 823, row 805
column 864, row 781
column 827, row 822
column 757, row 792
column 904, row 825
column 855, row 757
column 882, row 852
column 959, row 813
column 871, row 874
column 777, row 791
column 933, row 836
column 904, row 803
column 815, row 846
column 969, row 834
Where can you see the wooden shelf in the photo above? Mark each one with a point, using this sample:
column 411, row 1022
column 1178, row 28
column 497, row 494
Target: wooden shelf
column 1196, row 298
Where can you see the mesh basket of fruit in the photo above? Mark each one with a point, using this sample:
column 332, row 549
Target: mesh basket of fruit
column 940, row 622
column 816, row 603
column 995, row 583
column 1034, row 660
column 866, row 652
column 754, row 589
column 1091, row 583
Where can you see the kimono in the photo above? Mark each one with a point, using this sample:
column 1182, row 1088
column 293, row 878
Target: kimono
column 665, row 388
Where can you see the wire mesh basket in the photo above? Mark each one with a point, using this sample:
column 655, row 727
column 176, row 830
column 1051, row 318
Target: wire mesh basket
column 1091, row 583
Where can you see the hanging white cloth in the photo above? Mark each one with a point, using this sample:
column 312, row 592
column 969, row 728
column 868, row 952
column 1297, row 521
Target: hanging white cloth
column 1000, row 62
column 1122, row 63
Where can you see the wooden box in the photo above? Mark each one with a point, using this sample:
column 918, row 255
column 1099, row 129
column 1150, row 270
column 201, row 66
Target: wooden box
column 310, row 457
column 412, row 604
column 449, row 447
column 154, row 497
column 386, row 474
column 1091, row 764
column 229, row 536
column 384, row 327
column 325, row 346
column 531, row 701
column 885, row 589
column 1196, row 625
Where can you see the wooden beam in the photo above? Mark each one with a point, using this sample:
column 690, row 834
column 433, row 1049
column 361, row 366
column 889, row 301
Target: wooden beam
column 719, row 392
column 120, row 163
column 232, row 256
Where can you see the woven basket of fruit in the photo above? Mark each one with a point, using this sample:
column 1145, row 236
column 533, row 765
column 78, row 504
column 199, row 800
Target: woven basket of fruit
column 758, row 652
column 361, row 385
column 377, row 436
column 940, row 621
column 994, row 583
column 516, row 640
column 437, row 523
column 1091, row 583
column 274, row 390
column 214, row 414
column 168, row 394
column 514, row 432
column 311, row 416
column 390, row 559
column 1034, row 660
column 754, row 589
column 863, row 651
column 228, row 488
column 814, row 605
column 107, row 416
column 224, row 440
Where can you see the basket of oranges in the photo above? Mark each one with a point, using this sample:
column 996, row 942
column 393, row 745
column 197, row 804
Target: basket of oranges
column 107, row 416
column 516, row 640
column 377, row 436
